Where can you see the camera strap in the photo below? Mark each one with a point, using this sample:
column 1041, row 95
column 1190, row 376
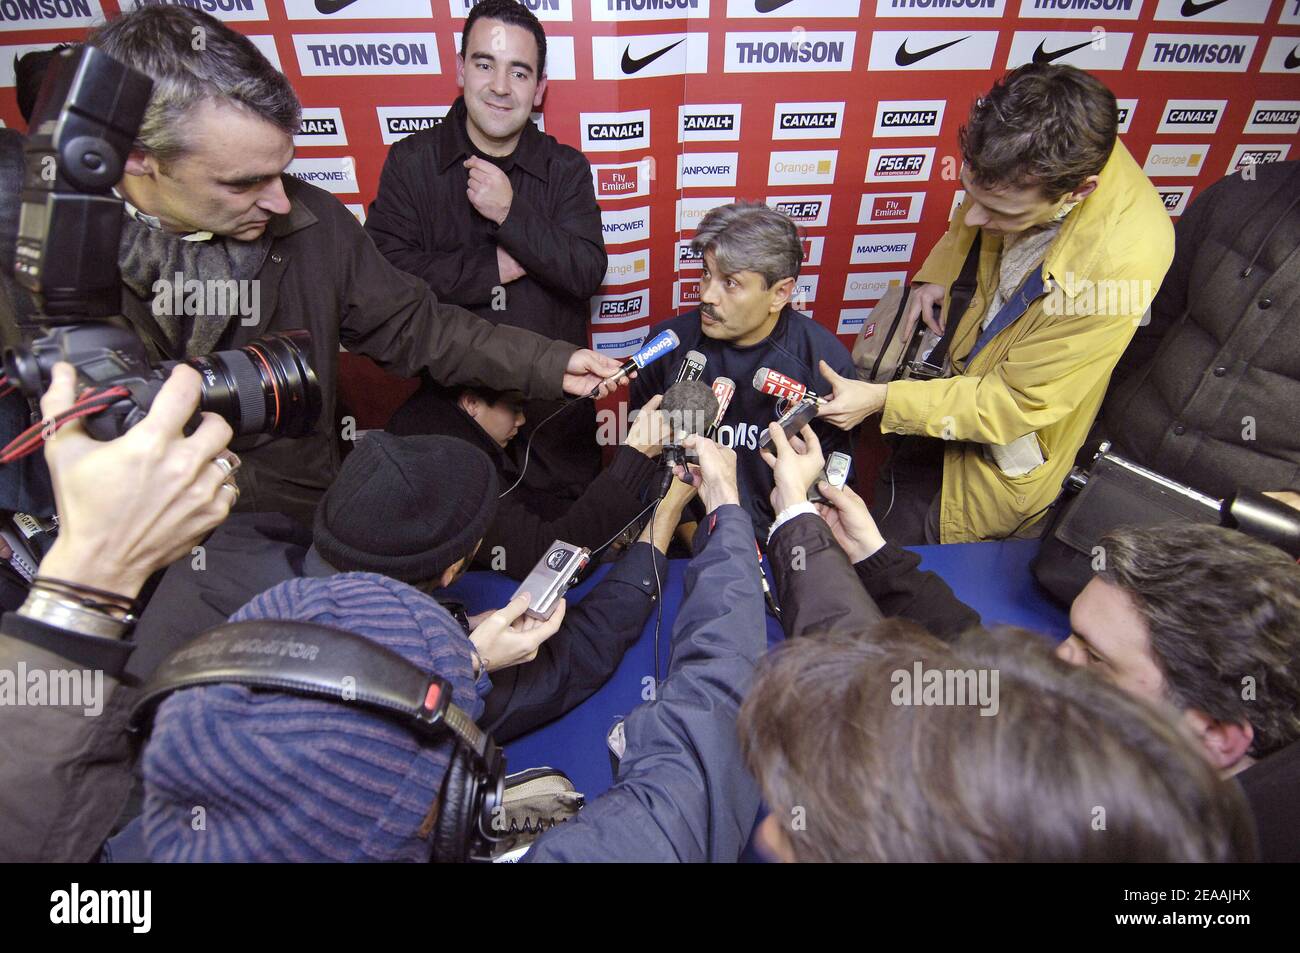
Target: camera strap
column 959, row 297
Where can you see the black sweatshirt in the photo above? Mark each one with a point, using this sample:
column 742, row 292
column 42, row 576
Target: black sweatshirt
column 422, row 222
column 794, row 347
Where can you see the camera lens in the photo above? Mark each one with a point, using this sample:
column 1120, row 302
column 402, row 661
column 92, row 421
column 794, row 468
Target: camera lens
column 266, row 386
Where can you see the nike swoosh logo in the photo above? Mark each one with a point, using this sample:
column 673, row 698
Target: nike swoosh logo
column 332, row 6
column 770, row 6
column 905, row 58
column 631, row 65
column 1191, row 8
column 1292, row 61
column 1042, row 56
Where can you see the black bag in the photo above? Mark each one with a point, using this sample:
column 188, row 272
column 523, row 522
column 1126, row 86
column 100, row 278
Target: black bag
column 1114, row 492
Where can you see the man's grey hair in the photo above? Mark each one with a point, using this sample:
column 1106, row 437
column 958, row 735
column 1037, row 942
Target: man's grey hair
column 192, row 58
column 748, row 236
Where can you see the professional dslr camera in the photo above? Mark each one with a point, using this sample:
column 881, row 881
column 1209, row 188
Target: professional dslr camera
column 84, row 124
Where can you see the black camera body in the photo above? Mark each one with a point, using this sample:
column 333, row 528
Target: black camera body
column 83, row 128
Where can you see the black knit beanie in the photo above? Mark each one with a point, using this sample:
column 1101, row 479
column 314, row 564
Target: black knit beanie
column 406, row 507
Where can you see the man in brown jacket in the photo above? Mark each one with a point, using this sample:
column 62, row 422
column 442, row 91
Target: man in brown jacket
column 209, row 206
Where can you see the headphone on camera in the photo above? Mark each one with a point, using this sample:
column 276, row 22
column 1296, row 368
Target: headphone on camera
column 316, row 661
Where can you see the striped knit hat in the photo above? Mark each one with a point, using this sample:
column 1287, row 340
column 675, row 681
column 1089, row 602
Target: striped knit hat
column 239, row 774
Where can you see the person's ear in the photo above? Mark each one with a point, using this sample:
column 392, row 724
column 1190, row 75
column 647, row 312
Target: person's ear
column 540, row 94
column 1082, row 192
column 1224, row 743
column 460, row 71
column 450, row 574
column 781, row 293
column 470, row 403
column 141, row 163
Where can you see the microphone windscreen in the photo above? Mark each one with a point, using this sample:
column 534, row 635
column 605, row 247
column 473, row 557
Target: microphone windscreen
column 690, row 408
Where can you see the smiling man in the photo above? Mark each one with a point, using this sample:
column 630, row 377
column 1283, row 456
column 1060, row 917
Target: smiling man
column 501, row 219
column 1073, row 243
column 747, row 320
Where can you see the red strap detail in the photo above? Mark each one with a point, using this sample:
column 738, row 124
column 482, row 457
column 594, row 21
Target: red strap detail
column 431, row 697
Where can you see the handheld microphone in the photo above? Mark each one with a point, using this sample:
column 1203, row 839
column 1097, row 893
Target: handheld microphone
column 692, row 368
column 724, row 388
column 768, row 381
column 690, row 408
column 652, row 350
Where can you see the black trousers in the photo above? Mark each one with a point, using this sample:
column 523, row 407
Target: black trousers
column 908, row 491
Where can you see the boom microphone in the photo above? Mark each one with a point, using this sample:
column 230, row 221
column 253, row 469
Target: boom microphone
column 724, row 388
column 692, row 368
column 652, row 350
column 768, row 381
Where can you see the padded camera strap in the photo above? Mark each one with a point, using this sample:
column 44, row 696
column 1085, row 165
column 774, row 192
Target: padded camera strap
column 959, row 297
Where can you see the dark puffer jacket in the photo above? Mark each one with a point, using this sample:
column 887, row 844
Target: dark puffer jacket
column 1209, row 392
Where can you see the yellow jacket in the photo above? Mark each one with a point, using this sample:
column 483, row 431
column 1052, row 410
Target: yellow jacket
column 1048, row 371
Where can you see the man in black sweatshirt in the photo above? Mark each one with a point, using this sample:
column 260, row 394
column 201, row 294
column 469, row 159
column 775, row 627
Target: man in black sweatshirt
column 752, row 256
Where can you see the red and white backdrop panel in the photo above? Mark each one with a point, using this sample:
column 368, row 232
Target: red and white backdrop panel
column 843, row 113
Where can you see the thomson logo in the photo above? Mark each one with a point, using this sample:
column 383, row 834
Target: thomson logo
column 1223, row 54
column 787, row 52
column 1200, row 52
column 373, row 54
column 790, row 52
column 48, row 13
column 1118, row 9
column 368, row 54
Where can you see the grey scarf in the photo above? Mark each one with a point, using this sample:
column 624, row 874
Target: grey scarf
column 151, row 259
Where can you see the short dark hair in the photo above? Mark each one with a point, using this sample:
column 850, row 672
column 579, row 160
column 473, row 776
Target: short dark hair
column 1069, row 768
column 512, row 13
column 159, row 42
column 1044, row 124
column 1219, row 607
column 29, row 73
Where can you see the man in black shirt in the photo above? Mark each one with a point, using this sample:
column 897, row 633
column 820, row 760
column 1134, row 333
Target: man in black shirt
column 745, row 321
column 502, row 219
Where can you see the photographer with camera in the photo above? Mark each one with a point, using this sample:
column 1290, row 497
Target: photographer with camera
column 127, row 508
column 219, row 247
